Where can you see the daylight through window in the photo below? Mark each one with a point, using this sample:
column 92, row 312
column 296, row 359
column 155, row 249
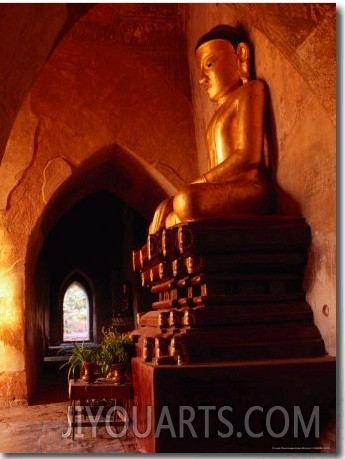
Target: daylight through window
column 76, row 313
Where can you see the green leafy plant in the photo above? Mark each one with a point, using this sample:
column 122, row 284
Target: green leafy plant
column 116, row 348
column 81, row 354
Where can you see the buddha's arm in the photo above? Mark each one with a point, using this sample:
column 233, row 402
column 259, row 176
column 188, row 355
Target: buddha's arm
column 161, row 213
column 242, row 139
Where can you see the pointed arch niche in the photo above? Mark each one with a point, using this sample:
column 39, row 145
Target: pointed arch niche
column 85, row 260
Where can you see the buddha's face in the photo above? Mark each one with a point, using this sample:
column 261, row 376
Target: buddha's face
column 218, row 63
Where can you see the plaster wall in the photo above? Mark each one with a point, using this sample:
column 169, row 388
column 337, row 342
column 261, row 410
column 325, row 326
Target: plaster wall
column 29, row 33
column 94, row 105
column 295, row 55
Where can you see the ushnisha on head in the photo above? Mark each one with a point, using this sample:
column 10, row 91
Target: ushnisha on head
column 224, row 59
column 223, row 32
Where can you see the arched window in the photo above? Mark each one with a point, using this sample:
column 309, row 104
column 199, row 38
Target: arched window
column 76, row 313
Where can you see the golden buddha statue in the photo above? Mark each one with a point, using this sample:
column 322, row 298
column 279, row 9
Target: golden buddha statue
column 237, row 182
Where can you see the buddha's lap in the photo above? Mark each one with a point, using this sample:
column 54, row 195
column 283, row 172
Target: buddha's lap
column 218, row 199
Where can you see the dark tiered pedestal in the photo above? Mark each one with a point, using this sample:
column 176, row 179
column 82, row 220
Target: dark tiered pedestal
column 230, row 325
column 271, row 401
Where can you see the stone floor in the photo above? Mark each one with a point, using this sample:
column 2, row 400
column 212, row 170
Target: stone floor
column 41, row 427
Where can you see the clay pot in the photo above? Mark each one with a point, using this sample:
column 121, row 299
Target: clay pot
column 117, row 373
column 89, row 372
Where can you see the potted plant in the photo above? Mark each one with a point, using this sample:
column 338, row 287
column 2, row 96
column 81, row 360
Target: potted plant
column 87, row 359
column 117, row 351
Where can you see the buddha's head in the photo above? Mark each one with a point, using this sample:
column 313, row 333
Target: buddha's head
column 223, row 56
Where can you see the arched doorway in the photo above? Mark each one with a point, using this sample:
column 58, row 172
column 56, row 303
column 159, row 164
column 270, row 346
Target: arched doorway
column 86, row 255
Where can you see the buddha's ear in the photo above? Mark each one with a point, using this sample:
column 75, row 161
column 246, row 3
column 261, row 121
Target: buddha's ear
column 243, row 55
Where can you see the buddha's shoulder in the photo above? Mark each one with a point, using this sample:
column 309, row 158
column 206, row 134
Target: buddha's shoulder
column 253, row 88
column 254, row 91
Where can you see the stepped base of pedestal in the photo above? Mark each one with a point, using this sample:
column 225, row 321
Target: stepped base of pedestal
column 262, row 406
column 227, row 290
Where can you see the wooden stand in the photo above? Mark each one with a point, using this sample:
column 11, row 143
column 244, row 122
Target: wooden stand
column 98, row 399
